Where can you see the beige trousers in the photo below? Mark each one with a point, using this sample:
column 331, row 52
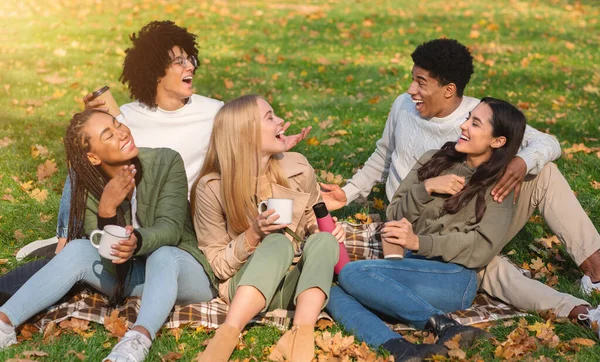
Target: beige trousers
column 551, row 194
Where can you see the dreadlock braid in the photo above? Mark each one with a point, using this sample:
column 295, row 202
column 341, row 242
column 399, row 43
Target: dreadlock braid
column 87, row 179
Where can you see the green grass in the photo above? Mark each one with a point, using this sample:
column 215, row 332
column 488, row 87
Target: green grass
column 335, row 59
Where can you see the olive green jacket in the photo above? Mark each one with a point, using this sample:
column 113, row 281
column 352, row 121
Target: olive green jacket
column 455, row 238
column 162, row 206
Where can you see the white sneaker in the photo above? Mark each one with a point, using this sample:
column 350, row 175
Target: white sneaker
column 593, row 315
column 133, row 347
column 35, row 246
column 587, row 287
column 7, row 338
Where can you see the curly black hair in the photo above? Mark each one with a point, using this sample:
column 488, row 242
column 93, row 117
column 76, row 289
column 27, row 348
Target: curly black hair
column 446, row 60
column 148, row 59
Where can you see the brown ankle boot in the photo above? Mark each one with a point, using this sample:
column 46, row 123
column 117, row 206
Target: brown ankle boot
column 296, row 345
column 221, row 346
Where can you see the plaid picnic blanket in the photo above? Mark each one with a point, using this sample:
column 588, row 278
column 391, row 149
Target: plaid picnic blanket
column 362, row 241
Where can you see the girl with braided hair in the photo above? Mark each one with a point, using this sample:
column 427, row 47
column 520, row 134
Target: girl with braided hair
column 143, row 190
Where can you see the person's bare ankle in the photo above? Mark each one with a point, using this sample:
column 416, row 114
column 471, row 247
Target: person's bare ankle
column 591, row 267
column 580, row 309
column 60, row 245
column 5, row 319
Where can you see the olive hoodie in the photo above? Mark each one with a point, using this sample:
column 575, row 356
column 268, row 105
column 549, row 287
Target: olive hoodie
column 454, row 238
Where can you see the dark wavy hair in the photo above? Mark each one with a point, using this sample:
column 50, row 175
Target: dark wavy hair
column 506, row 121
column 148, row 58
column 447, row 61
column 87, row 179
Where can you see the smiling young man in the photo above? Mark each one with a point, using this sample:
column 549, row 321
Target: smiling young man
column 429, row 115
column 158, row 70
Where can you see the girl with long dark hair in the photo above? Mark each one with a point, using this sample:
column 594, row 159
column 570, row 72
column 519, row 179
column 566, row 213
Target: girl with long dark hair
column 444, row 215
column 143, row 190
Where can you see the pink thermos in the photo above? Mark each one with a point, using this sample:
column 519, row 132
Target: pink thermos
column 326, row 223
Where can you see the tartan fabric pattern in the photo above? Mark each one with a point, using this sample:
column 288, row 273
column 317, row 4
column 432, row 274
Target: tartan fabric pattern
column 363, row 242
column 91, row 306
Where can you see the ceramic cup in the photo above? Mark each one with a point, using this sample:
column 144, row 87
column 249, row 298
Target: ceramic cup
column 282, row 207
column 111, row 234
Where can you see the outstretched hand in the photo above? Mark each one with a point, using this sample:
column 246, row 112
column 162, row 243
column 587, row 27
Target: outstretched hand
column 513, row 177
column 333, row 196
column 292, row 140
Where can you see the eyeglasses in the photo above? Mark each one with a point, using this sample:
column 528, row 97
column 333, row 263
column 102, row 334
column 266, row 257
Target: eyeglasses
column 183, row 61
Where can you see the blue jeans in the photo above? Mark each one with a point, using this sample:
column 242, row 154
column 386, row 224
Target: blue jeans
column 410, row 290
column 62, row 225
column 167, row 276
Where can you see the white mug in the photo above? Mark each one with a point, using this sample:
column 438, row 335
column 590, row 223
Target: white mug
column 283, row 207
column 109, row 236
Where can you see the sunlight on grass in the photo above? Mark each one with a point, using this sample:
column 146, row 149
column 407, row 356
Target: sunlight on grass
column 336, row 61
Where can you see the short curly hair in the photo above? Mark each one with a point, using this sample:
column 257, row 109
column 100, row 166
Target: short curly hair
column 446, row 60
column 148, row 58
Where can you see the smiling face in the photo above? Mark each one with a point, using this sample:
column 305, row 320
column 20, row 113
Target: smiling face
column 271, row 129
column 175, row 87
column 476, row 139
column 111, row 143
column 431, row 99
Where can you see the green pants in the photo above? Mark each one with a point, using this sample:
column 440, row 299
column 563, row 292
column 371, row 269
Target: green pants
column 268, row 269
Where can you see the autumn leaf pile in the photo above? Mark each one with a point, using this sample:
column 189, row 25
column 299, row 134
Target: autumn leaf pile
column 334, row 65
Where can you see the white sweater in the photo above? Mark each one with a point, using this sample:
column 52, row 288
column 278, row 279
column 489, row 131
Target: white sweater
column 186, row 130
column 407, row 136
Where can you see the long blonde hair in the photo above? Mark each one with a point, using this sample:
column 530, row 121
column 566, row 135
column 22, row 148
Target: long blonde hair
column 234, row 153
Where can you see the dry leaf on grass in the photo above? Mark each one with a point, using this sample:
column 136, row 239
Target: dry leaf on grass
column 326, row 123
column 313, row 141
column 29, row 354
column 536, row 264
column 171, row 356
column 27, row 331
column 51, row 332
column 78, row 326
column 79, row 355
column 46, row 169
column 39, row 195
column 26, row 186
column 331, row 141
column 176, row 332
column 549, row 241
column 5, row 142
column 115, row 325
column 583, row 341
column 335, row 344
column 322, row 324
column 54, row 79
column 38, row 150
column 19, row 360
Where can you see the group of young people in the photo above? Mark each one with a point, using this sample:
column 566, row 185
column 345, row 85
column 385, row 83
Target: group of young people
column 463, row 176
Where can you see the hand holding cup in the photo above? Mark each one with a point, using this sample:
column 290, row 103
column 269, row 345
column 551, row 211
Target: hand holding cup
column 116, row 243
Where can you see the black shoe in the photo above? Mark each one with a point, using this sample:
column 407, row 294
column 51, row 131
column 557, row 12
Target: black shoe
column 404, row 351
column 446, row 329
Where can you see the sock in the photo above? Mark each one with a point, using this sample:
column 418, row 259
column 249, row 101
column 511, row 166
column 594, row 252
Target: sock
column 6, row 328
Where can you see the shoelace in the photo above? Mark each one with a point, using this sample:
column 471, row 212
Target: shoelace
column 592, row 315
column 136, row 342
